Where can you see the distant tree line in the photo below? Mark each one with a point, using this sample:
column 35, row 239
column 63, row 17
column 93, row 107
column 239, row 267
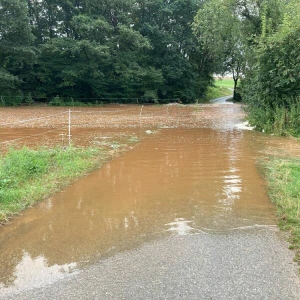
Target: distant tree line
column 100, row 49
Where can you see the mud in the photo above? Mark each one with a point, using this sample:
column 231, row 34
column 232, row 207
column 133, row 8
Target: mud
column 196, row 174
column 36, row 126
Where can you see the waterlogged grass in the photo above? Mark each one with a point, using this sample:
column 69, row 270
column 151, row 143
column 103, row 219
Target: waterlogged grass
column 28, row 176
column 284, row 184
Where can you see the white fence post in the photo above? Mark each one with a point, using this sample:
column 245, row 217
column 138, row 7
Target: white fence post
column 69, row 135
column 141, row 115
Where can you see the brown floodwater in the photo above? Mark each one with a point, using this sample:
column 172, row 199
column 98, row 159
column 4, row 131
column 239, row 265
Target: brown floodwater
column 201, row 179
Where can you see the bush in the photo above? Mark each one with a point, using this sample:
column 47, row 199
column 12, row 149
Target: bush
column 280, row 119
column 56, row 101
column 272, row 86
column 11, row 100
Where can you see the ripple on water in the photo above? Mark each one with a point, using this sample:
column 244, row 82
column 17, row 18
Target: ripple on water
column 177, row 181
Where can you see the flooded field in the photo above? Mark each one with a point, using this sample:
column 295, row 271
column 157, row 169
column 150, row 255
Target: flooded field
column 193, row 173
column 92, row 126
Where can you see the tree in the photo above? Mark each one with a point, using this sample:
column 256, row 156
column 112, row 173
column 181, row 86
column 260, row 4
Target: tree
column 103, row 49
column 272, row 80
column 276, row 69
column 217, row 26
column 16, row 51
column 175, row 50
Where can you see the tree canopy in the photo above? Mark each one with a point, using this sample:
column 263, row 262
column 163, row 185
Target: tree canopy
column 16, row 40
column 257, row 41
column 217, row 27
column 100, row 49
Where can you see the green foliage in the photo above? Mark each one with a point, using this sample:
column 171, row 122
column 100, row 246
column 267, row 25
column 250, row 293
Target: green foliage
column 272, row 85
column 278, row 56
column 22, row 165
column 279, row 119
column 8, row 82
column 102, row 49
column 218, row 27
column 26, row 176
column 150, row 96
column 56, row 101
column 16, row 53
column 284, row 184
column 229, row 83
column 11, row 100
column 175, row 51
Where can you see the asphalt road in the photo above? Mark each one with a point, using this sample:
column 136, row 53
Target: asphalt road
column 222, row 100
column 239, row 264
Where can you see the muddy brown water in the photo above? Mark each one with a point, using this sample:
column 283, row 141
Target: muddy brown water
column 176, row 181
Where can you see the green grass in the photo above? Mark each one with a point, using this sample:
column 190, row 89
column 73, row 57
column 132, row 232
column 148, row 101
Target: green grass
column 217, row 92
column 226, row 82
column 28, row 176
column 283, row 176
column 280, row 120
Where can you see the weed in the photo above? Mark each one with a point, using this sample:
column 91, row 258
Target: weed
column 56, row 101
column 133, row 139
column 115, row 145
column 284, row 185
column 280, row 119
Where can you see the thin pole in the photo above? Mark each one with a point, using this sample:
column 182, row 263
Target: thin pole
column 69, row 135
column 141, row 112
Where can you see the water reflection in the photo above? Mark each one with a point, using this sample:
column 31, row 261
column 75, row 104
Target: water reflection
column 175, row 182
column 181, row 227
column 35, row 272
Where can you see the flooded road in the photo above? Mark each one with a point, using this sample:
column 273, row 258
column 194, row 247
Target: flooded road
column 186, row 207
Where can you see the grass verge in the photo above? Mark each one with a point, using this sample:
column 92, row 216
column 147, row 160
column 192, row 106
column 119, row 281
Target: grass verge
column 28, row 176
column 283, row 177
column 217, row 92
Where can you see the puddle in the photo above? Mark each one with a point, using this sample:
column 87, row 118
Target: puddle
column 32, row 273
column 176, row 181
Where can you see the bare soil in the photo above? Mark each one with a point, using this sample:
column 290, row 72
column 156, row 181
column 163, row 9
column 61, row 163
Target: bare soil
column 36, row 126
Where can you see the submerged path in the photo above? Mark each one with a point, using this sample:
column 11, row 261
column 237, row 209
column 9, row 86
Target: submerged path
column 184, row 215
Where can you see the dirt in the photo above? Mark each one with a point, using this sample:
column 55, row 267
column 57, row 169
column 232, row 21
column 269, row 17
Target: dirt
column 93, row 125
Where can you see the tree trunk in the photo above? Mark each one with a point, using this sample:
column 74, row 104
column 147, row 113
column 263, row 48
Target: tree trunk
column 234, row 88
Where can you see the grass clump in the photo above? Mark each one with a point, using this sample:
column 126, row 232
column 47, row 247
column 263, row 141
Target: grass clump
column 28, row 176
column 280, row 116
column 280, row 120
column 284, row 184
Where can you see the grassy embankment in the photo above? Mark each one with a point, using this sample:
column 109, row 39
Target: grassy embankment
column 225, row 82
column 221, row 89
column 28, row 176
column 283, row 176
